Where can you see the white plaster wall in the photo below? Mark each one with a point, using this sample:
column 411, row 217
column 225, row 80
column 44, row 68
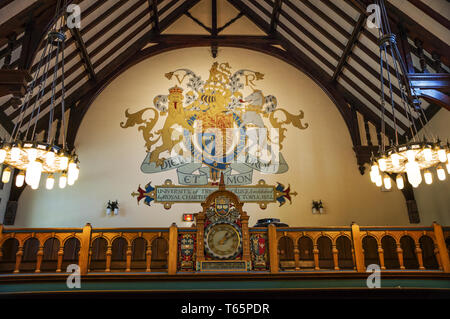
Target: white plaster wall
column 322, row 162
column 433, row 200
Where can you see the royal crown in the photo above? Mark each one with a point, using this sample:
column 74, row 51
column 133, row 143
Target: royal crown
column 175, row 89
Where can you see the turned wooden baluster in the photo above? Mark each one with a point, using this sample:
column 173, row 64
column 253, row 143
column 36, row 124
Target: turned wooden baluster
column 423, row 63
column 39, row 256
column 438, row 256
column 400, row 256
column 296, row 256
column 19, row 255
column 335, row 257
column 437, row 62
column 381, row 256
column 128, row 258
column 419, row 255
column 316, row 257
column 148, row 254
column 89, row 259
column 60, row 258
column 353, row 259
column 108, row 258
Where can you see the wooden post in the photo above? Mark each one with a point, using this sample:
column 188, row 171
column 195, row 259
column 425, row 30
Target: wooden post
column 316, row 257
column 128, row 259
column 296, row 256
column 400, row 256
column 40, row 255
column 85, row 245
column 381, row 256
column 273, row 248
column 419, row 256
column 357, row 244
column 442, row 247
column 60, row 258
column 173, row 250
column 108, row 258
column 19, row 255
column 148, row 254
column 335, row 257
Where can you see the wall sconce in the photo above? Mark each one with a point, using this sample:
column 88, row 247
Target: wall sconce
column 188, row 218
column 317, row 207
column 112, row 207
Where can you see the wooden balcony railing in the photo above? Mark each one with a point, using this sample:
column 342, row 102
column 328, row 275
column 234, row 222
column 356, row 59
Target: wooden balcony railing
column 274, row 250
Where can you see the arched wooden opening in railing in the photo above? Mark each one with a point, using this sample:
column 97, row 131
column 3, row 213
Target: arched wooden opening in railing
column 428, row 253
column 98, row 254
column 29, row 257
column 410, row 259
column 391, row 257
column 324, row 245
column 119, row 254
column 50, row 257
column 345, row 254
column 9, row 252
column 306, row 255
column 159, row 254
column 71, row 250
column 370, row 247
column 286, row 253
column 139, row 254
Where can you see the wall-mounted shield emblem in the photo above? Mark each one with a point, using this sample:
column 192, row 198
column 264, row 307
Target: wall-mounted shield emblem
column 222, row 205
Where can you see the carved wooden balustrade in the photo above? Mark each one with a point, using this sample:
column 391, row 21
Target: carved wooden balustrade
column 274, row 250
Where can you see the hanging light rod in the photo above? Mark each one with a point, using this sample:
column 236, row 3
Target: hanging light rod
column 416, row 156
column 23, row 151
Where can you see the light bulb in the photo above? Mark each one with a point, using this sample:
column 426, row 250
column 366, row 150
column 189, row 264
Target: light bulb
column 35, row 186
column 395, row 158
column 50, row 158
column 428, row 154
column 71, row 173
column 33, row 173
column 2, row 155
column 441, row 173
column 50, row 181
column 373, row 176
column 413, row 173
column 6, row 175
column 63, row 181
column 32, row 154
column 382, row 164
column 387, row 182
column 379, row 181
column 400, row 182
column 411, row 155
column 15, row 154
column 448, row 157
column 20, row 179
column 63, row 162
column 442, row 155
column 428, row 177
column 77, row 173
column 448, row 167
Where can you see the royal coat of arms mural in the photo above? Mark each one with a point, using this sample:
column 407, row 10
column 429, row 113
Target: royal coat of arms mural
column 204, row 129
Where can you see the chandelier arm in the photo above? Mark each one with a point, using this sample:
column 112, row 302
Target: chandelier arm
column 27, row 99
column 63, row 94
column 408, row 112
column 40, row 93
column 391, row 93
column 52, row 105
column 383, row 124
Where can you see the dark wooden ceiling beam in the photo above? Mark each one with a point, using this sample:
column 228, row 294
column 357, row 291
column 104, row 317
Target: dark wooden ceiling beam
column 14, row 82
column 153, row 10
column 431, row 43
column 83, row 53
column 105, row 75
column 275, row 15
column 350, row 44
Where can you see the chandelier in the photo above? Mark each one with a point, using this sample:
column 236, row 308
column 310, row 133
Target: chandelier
column 410, row 159
column 33, row 158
